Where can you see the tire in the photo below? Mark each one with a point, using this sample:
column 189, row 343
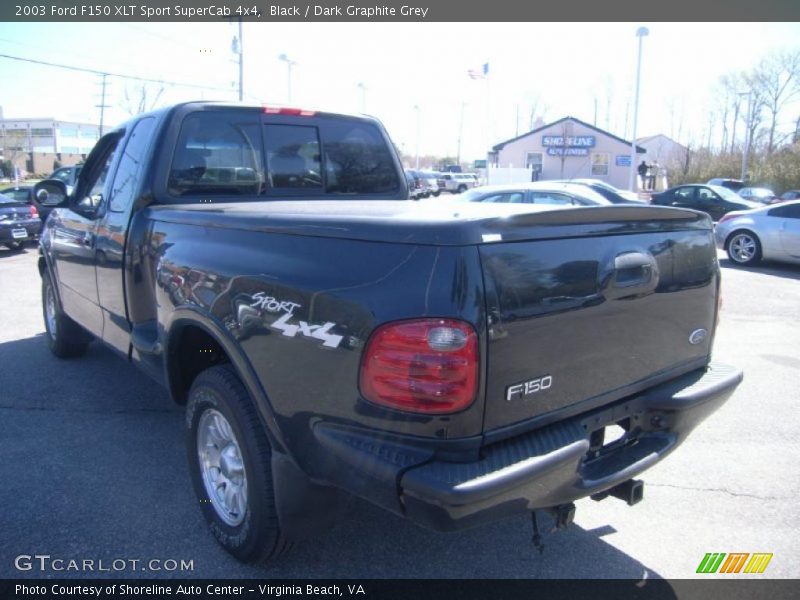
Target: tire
column 222, row 422
column 15, row 246
column 744, row 247
column 436, row 194
column 65, row 338
column 461, row 189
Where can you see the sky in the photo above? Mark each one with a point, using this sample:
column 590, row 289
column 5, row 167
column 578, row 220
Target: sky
column 559, row 68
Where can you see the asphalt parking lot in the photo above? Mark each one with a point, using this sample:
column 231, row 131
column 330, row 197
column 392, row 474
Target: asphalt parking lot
column 93, row 467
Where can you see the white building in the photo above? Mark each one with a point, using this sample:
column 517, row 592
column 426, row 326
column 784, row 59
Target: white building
column 663, row 151
column 569, row 149
column 48, row 136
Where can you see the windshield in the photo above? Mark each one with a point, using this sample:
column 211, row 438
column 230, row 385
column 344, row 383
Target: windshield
column 7, row 200
column 727, row 194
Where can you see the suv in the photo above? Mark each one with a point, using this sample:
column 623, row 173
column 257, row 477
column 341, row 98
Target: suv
column 69, row 175
column 731, row 184
column 456, row 183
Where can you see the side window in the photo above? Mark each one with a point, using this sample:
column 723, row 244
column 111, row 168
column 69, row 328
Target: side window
column 551, row 198
column 705, row 195
column 293, row 156
column 129, row 170
column 495, row 198
column 684, row 193
column 786, row 212
column 357, row 159
column 218, row 153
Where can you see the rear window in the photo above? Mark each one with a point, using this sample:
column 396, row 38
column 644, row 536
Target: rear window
column 218, row 154
column 238, row 153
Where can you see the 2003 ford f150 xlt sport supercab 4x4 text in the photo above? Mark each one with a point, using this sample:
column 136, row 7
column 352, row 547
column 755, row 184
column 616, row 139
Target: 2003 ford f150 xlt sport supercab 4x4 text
column 329, row 337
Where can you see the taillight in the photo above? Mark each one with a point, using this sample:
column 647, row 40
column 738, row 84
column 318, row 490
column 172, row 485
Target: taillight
column 425, row 365
column 295, row 112
column 34, row 212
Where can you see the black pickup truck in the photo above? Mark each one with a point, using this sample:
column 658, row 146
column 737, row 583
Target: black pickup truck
column 453, row 364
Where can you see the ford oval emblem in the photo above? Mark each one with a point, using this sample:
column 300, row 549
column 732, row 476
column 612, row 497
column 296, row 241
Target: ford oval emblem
column 698, row 336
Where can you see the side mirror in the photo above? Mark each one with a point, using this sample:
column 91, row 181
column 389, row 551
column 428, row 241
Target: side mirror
column 51, row 193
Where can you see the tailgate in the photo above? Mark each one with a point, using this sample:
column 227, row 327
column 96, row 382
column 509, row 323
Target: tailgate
column 579, row 322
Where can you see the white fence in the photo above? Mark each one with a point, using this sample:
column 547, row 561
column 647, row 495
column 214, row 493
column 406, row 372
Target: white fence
column 500, row 175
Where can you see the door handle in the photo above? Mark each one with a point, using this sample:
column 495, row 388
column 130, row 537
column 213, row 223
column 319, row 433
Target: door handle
column 634, row 273
column 88, row 239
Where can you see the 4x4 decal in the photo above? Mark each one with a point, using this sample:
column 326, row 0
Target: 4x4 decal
column 319, row 332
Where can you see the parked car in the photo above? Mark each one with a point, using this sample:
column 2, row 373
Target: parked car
column 759, row 194
column 69, row 175
column 790, row 195
column 327, row 337
column 418, row 186
column 431, row 180
column 19, row 223
column 457, row 183
column 541, row 192
column 731, row 184
column 713, row 200
column 771, row 232
column 608, row 191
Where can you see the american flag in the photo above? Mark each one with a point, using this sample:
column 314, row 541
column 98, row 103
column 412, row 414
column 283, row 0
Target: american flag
column 480, row 73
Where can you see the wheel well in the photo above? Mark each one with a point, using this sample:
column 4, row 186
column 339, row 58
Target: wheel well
column 191, row 351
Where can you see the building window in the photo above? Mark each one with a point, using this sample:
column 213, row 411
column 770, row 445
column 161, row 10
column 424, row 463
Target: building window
column 42, row 132
column 69, row 132
column 533, row 160
column 600, row 163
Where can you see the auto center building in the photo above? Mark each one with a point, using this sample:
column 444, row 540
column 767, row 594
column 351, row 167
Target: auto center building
column 568, row 149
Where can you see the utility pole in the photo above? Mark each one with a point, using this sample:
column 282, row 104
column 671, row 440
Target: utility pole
column 102, row 106
column 241, row 62
column 640, row 33
column 416, row 108
column 363, row 88
column 595, row 112
column 746, row 151
column 237, row 47
column 516, row 123
column 460, row 133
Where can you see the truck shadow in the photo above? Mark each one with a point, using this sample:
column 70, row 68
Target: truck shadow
column 95, row 467
column 767, row 267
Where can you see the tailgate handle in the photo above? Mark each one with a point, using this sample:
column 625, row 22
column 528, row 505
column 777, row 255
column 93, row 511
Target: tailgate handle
column 635, row 270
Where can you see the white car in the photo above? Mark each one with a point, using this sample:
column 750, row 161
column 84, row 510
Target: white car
column 771, row 232
column 458, row 183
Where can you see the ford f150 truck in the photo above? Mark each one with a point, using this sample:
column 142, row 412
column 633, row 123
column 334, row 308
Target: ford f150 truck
column 451, row 364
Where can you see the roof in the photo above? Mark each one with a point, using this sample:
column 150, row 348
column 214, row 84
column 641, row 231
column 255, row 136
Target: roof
column 501, row 145
column 650, row 138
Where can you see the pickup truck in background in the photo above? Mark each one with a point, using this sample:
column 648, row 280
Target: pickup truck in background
column 453, row 364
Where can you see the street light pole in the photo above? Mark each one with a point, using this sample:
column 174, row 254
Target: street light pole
column 416, row 108
column 746, row 151
column 289, row 64
column 460, row 133
column 640, row 33
column 363, row 88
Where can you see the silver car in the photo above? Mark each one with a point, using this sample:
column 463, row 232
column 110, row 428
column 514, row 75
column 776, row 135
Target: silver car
column 541, row 192
column 771, row 232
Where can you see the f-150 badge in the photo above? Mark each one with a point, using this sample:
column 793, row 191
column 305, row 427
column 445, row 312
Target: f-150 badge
column 521, row 391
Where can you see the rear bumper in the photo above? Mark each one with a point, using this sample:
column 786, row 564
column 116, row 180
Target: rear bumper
column 554, row 465
column 31, row 228
column 547, row 467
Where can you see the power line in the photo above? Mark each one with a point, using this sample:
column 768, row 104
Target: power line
column 110, row 74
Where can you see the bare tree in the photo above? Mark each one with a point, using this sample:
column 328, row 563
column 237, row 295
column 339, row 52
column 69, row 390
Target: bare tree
column 777, row 81
column 141, row 99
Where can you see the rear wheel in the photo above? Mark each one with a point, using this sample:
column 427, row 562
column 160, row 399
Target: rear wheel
column 230, row 463
column 15, row 246
column 744, row 248
column 461, row 189
column 65, row 337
